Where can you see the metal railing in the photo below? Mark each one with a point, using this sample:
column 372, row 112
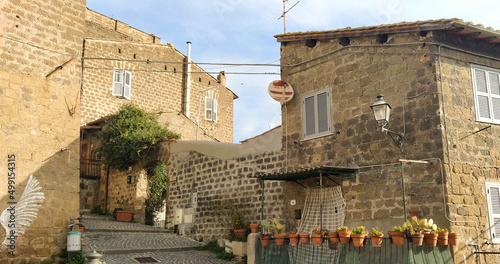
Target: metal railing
column 90, row 169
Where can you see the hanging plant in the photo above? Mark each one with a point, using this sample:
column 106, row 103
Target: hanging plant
column 157, row 185
column 129, row 136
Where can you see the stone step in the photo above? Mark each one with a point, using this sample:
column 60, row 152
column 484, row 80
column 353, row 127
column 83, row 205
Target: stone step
column 136, row 250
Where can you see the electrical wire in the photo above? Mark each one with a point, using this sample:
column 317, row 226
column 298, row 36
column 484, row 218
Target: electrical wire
column 169, row 71
column 37, row 46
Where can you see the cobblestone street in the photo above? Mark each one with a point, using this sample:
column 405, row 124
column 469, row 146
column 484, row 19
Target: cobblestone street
column 122, row 242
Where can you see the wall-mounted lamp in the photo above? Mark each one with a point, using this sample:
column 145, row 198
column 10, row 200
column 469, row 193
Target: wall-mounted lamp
column 382, row 111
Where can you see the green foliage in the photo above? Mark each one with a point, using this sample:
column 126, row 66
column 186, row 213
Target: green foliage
column 230, row 214
column 375, row 231
column 130, row 134
column 220, row 252
column 157, row 181
column 360, row 230
column 441, row 230
column 398, row 229
column 98, row 210
column 76, row 258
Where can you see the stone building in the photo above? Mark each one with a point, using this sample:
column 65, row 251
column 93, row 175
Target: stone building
column 441, row 78
column 123, row 65
column 40, row 49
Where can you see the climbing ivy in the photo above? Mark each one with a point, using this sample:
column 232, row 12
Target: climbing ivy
column 157, row 185
column 129, row 136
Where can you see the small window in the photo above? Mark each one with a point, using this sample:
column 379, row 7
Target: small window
column 316, row 114
column 210, row 109
column 121, row 83
column 493, row 198
column 486, row 84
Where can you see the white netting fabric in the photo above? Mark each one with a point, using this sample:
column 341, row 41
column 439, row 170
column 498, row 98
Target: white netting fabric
column 334, row 206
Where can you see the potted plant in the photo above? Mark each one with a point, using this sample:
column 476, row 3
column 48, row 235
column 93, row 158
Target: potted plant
column 318, row 235
column 430, row 233
column 416, row 228
column 124, row 216
column 267, row 230
column 376, row 237
column 239, row 227
column 255, row 227
column 442, row 236
column 453, row 239
column 358, row 236
column 304, row 238
column 344, row 234
column 294, row 237
column 397, row 235
column 334, row 240
column 279, row 233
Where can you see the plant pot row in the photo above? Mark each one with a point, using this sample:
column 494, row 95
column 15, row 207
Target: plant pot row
column 345, row 236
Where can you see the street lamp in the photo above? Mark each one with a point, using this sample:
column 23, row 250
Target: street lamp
column 382, row 111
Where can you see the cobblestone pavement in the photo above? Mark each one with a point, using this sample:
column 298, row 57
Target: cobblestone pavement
column 182, row 257
column 121, row 242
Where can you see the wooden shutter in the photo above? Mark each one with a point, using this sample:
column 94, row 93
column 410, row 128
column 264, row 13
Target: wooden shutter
column 214, row 110
column 208, row 108
column 494, row 80
column 483, row 104
column 493, row 197
column 126, row 84
column 323, row 115
column 117, row 89
column 309, row 116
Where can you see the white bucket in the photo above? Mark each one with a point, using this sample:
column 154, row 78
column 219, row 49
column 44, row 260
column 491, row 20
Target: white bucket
column 74, row 243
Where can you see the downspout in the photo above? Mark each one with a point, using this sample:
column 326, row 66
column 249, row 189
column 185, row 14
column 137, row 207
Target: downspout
column 187, row 84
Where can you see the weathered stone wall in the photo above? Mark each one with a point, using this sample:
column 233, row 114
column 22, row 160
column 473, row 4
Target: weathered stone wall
column 355, row 75
column 99, row 26
column 215, row 180
column 155, row 87
column 472, row 157
column 39, row 121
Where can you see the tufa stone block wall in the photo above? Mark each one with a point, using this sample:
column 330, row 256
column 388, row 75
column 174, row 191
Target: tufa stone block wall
column 472, row 157
column 214, row 180
column 155, row 87
column 99, row 26
column 39, row 121
column 355, row 75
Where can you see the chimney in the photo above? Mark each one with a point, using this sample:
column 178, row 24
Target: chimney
column 221, row 78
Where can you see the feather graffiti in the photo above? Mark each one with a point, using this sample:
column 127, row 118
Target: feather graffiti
column 18, row 217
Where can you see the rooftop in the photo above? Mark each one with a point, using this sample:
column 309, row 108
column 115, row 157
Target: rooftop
column 476, row 31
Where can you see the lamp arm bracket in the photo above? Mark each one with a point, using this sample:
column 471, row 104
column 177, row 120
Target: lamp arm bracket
column 398, row 138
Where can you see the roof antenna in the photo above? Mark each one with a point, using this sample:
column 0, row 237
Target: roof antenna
column 284, row 13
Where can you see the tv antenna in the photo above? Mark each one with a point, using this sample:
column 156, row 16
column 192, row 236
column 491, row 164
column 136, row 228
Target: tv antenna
column 284, row 13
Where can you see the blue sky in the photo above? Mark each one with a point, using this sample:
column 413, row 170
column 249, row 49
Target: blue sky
column 237, row 31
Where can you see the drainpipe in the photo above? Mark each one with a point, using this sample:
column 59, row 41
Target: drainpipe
column 187, row 80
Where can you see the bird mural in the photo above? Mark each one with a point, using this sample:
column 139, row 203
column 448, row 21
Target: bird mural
column 16, row 218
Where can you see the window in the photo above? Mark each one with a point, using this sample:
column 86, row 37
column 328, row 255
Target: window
column 316, row 114
column 210, row 109
column 493, row 197
column 486, row 83
column 121, row 83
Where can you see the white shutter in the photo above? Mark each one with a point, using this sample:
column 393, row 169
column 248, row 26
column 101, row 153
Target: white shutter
column 322, row 102
column 483, row 104
column 117, row 89
column 208, row 108
column 309, row 116
column 493, row 198
column 495, row 95
column 214, row 110
column 127, row 79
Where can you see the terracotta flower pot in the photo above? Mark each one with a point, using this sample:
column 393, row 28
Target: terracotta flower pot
column 431, row 239
column 240, row 233
column 280, row 239
column 294, row 239
column 397, row 238
column 443, row 238
column 123, row 216
column 255, row 228
column 453, row 239
column 357, row 240
column 333, row 245
column 417, row 239
column 317, row 239
column 264, row 239
column 304, row 238
column 344, row 236
column 376, row 240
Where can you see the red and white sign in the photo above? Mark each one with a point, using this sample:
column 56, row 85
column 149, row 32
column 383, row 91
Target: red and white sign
column 280, row 91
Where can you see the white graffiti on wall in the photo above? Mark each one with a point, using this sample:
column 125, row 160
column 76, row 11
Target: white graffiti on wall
column 18, row 216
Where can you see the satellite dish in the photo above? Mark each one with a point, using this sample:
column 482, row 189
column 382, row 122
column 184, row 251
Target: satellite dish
column 280, row 91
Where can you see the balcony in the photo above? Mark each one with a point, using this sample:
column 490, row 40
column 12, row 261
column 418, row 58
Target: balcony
column 90, row 169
